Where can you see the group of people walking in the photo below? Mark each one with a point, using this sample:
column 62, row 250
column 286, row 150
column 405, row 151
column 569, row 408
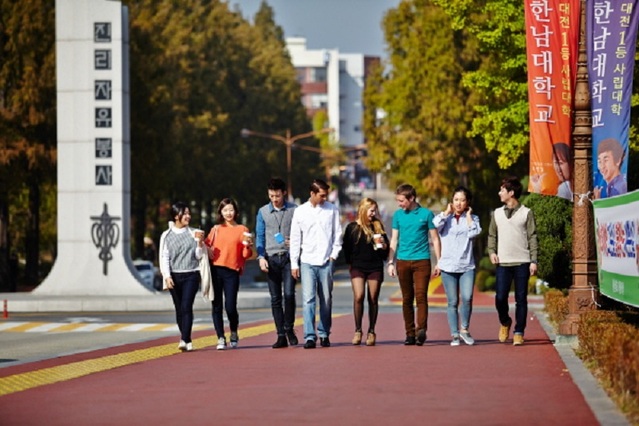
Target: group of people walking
column 301, row 243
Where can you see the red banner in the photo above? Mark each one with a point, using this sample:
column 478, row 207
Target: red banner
column 552, row 36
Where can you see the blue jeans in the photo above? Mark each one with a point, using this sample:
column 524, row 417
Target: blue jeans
column 317, row 281
column 226, row 284
column 185, row 287
column 280, row 278
column 459, row 285
column 505, row 276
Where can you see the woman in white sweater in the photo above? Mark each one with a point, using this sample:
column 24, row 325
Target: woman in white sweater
column 181, row 249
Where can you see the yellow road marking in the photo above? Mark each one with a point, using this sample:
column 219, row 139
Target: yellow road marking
column 162, row 327
column 94, row 327
column 67, row 327
column 26, row 326
column 113, row 327
column 46, row 376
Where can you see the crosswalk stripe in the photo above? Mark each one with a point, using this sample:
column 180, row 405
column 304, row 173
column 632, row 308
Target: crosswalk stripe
column 82, row 327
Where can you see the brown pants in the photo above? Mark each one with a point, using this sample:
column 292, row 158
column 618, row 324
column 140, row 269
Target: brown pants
column 414, row 276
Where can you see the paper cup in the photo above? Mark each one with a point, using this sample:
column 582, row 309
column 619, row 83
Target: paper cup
column 246, row 238
column 379, row 241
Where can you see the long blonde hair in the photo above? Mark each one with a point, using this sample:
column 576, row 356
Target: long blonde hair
column 367, row 227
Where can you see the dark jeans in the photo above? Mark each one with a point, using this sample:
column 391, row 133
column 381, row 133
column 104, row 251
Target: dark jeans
column 414, row 277
column 226, row 284
column 505, row 276
column 185, row 287
column 280, row 278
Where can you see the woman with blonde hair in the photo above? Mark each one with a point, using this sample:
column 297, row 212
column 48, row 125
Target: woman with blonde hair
column 365, row 246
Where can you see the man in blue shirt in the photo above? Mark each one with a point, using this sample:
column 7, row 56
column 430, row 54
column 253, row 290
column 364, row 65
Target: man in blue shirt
column 272, row 231
column 413, row 232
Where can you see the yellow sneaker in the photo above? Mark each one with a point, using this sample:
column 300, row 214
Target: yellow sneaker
column 518, row 339
column 504, row 331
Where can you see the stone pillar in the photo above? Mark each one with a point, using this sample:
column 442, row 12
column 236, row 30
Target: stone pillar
column 92, row 71
column 584, row 289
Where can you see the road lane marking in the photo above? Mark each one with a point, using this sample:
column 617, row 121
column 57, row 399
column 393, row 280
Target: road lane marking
column 46, row 376
column 60, row 327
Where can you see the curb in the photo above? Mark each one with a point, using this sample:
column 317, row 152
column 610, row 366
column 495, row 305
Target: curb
column 602, row 406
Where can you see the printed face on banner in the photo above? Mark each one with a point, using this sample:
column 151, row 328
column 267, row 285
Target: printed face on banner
column 610, row 51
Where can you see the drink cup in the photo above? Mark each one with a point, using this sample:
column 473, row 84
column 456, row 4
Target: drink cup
column 198, row 234
column 379, row 241
column 246, row 238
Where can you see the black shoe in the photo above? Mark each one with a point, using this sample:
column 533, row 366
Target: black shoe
column 325, row 342
column 310, row 344
column 281, row 342
column 410, row 341
column 421, row 337
column 292, row 338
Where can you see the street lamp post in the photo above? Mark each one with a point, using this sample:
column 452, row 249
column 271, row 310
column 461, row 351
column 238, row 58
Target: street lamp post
column 583, row 292
column 287, row 140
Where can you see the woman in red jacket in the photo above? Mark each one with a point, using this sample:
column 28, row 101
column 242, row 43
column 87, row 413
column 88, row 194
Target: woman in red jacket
column 229, row 246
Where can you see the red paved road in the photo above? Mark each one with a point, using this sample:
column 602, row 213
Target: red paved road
column 487, row 384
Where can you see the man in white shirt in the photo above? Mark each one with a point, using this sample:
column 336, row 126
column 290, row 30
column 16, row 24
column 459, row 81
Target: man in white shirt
column 315, row 243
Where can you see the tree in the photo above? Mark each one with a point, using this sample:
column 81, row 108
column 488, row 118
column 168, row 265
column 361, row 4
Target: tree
column 417, row 113
column 27, row 123
column 201, row 73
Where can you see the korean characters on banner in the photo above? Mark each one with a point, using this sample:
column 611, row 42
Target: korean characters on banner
column 612, row 35
column 552, row 36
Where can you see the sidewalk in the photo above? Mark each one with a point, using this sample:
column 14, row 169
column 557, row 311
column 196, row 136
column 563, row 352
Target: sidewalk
column 490, row 383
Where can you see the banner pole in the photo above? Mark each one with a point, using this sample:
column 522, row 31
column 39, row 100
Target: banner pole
column 583, row 294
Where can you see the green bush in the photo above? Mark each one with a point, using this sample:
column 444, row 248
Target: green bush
column 489, row 284
column 480, row 279
column 556, row 306
column 611, row 348
column 553, row 217
column 487, row 265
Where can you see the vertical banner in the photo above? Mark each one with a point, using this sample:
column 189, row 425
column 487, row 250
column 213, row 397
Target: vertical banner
column 552, row 37
column 611, row 39
column 616, row 230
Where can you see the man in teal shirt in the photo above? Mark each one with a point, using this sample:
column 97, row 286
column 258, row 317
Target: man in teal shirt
column 413, row 232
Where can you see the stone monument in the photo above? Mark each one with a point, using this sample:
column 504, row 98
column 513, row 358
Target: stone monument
column 94, row 185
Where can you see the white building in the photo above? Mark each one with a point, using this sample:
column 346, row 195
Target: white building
column 333, row 82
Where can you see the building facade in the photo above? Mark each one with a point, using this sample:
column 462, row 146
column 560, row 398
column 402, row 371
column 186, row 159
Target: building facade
column 333, row 82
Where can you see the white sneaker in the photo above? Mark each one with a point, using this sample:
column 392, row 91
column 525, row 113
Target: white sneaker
column 221, row 344
column 467, row 338
column 234, row 339
column 182, row 345
column 455, row 341
column 189, row 347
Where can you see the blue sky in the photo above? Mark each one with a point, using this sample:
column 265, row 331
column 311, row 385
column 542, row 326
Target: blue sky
column 352, row 26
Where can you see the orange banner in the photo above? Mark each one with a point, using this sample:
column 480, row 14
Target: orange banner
column 552, row 36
